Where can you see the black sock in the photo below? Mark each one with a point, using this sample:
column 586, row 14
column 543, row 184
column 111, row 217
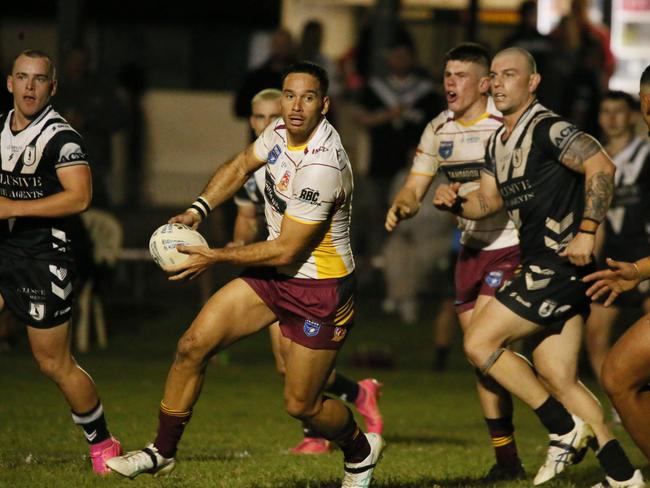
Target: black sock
column 352, row 442
column 93, row 424
column 344, row 388
column 614, row 461
column 555, row 417
column 309, row 431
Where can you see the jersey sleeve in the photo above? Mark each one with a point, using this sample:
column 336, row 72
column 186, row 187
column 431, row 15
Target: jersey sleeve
column 67, row 149
column 425, row 161
column 554, row 135
column 489, row 167
column 316, row 190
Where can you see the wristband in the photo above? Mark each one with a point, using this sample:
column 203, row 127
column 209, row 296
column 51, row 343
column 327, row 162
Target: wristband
column 201, row 207
column 585, row 231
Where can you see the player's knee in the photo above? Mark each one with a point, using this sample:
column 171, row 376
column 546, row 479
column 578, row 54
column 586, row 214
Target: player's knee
column 191, row 349
column 52, row 367
column 300, row 408
column 612, row 376
column 475, row 350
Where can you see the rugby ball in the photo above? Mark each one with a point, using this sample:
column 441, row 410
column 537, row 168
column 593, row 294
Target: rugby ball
column 164, row 240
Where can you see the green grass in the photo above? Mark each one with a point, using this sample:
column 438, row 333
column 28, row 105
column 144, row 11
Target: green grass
column 239, row 434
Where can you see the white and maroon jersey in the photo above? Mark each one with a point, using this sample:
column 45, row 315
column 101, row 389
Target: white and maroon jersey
column 458, row 149
column 311, row 184
column 30, row 160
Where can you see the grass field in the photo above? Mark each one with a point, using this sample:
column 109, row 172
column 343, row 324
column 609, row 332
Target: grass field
column 239, row 434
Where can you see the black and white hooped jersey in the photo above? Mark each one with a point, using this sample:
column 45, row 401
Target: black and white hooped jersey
column 30, row 160
column 628, row 219
column 544, row 198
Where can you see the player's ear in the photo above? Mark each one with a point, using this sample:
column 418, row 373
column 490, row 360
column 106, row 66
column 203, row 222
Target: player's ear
column 53, row 88
column 484, row 84
column 10, row 84
column 326, row 105
column 534, row 82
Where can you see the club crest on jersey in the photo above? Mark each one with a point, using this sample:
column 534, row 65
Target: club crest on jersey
column 283, row 184
column 494, row 279
column 445, row 149
column 546, row 308
column 29, row 156
column 311, row 329
column 37, row 311
column 274, row 154
column 517, row 157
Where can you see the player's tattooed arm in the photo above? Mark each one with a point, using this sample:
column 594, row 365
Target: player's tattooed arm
column 484, row 201
column 580, row 150
column 599, row 189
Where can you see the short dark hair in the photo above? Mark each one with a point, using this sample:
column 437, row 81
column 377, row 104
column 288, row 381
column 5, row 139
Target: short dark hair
column 645, row 76
column 470, row 52
column 621, row 95
column 310, row 68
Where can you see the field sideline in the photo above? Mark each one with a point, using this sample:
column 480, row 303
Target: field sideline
column 239, row 435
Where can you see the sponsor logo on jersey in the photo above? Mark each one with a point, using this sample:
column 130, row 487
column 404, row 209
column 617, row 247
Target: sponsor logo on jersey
column 29, row 156
column 283, row 184
column 494, row 279
column 274, row 154
column 546, row 308
column 62, row 311
column 310, row 328
column 561, row 133
column 309, row 195
column 445, row 149
column 37, row 311
column 339, row 334
column 272, row 198
column 319, row 150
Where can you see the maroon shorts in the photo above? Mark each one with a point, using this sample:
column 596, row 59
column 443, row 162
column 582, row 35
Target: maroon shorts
column 317, row 314
column 482, row 273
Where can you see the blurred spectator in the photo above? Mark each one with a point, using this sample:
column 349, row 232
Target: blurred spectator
column 413, row 251
column 90, row 104
column 269, row 75
column 588, row 64
column 526, row 36
column 394, row 108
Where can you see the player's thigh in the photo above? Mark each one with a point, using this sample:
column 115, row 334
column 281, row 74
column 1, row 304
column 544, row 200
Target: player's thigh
column 601, row 320
column 496, row 325
column 628, row 362
column 279, row 346
column 52, row 343
column 556, row 356
column 307, row 371
column 233, row 312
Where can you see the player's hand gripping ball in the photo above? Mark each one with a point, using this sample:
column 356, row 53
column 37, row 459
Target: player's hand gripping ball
column 164, row 240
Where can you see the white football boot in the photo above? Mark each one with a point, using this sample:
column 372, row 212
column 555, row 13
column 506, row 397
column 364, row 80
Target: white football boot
column 565, row 450
column 359, row 475
column 635, row 481
column 148, row 460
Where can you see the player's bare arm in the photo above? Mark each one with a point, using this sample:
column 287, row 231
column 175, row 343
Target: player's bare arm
column 619, row 278
column 295, row 237
column 586, row 156
column 407, row 202
column 74, row 199
column 475, row 205
column 226, row 180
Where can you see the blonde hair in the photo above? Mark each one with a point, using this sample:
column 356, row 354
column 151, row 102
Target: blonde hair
column 267, row 95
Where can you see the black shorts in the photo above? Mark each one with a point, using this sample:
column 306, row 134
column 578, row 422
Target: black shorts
column 547, row 293
column 38, row 292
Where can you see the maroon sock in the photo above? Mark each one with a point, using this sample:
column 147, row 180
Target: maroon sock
column 503, row 440
column 352, row 442
column 171, row 424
